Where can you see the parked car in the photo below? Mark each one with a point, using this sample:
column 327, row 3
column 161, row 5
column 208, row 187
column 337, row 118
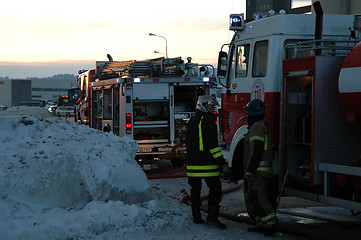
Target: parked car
column 52, row 109
column 65, row 111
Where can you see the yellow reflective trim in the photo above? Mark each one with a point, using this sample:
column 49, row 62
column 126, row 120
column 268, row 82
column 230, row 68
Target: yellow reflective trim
column 266, row 143
column 200, row 134
column 216, row 149
column 256, row 138
column 217, row 155
column 265, row 169
column 209, row 174
column 206, row 167
column 266, row 218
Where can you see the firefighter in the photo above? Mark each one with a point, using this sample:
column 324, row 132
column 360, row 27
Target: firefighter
column 261, row 190
column 204, row 160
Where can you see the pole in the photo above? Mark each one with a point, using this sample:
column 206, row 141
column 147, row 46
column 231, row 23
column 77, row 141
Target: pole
column 166, row 43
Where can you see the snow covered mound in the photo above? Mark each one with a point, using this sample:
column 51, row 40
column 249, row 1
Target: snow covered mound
column 55, row 163
column 26, row 111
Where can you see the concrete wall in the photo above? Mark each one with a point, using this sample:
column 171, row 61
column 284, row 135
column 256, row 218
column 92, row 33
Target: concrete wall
column 340, row 6
column 13, row 92
column 329, row 6
column 5, row 93
column 20, row 91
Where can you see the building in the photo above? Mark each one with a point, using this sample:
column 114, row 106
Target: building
column 13, row 92
column 302, row 6
column 44, row 89
column 24, row 92
column 340, row 6
column 263, row 6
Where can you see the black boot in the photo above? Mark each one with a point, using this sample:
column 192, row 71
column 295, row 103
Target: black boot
column 212, row 218
column 270, row 227
column 196, row 213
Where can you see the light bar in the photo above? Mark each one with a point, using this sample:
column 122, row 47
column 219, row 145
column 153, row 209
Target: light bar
column 236, row 22
column 136, row 79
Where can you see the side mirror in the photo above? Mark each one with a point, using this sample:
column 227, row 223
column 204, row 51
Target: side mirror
column 73, row 95
column 222, row 64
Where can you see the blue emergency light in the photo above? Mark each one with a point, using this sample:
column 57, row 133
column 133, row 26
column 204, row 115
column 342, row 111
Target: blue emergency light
column 236, row 22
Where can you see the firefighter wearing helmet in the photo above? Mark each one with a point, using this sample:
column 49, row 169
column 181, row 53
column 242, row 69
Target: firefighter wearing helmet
column 204, row 160
column 260, row 188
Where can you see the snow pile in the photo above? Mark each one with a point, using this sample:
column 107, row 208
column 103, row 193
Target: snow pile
column 61, row 180
column 62, row 164
column 26, row 111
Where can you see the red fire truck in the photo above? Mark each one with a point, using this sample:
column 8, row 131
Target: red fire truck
column 149, row 101
column 293, row 63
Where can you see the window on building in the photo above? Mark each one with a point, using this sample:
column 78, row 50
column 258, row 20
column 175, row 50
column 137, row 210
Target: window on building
column 260, row 58
column 242, row 60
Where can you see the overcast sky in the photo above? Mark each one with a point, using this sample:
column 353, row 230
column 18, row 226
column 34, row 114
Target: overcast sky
column 41, row 38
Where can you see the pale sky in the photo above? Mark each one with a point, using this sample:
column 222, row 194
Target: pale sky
column 72, row 34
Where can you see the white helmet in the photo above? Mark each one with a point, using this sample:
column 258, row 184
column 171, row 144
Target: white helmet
column 205, row 102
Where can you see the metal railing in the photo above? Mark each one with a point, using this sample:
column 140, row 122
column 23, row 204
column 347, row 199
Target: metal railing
column 320, row 47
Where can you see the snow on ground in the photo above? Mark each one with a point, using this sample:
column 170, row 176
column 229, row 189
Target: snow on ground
column 61, row 180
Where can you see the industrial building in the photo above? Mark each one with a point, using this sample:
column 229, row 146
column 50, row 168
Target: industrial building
column 19, row 92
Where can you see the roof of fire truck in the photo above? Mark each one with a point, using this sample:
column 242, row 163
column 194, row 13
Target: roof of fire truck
column 296, row 24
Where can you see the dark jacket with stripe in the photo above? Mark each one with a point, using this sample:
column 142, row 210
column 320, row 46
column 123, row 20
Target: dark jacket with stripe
column 204, row 157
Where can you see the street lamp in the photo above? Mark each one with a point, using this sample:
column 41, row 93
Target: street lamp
column 159, row 52
column 166, row 44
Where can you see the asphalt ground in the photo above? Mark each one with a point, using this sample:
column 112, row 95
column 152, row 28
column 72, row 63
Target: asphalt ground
column 303, row 218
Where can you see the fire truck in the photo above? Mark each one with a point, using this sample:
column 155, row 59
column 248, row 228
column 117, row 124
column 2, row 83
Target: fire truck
column 149, row 101
column 306, row 69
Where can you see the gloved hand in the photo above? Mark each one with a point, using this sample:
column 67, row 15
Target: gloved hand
column 248, row 176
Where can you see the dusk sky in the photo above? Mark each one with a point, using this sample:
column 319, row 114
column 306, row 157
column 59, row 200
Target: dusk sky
column 42, row 38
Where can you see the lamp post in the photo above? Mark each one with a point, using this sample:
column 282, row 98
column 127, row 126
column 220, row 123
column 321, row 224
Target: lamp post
column 166, row 44
column 159, row 52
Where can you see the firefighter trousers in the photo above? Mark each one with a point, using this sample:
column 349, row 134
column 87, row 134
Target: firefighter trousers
column 215, row 190
column 263, row 196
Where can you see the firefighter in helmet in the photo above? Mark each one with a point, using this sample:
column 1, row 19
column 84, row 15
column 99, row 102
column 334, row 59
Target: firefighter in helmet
column 204, row 160
column 260, row 187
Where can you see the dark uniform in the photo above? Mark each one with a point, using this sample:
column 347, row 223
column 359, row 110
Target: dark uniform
column 258, row 158
column 204, row 161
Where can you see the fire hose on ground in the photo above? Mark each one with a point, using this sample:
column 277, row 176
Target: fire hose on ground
column 186, row 198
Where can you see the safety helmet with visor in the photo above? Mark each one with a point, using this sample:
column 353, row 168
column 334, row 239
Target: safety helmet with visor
column 206, row 102
column 255, row 108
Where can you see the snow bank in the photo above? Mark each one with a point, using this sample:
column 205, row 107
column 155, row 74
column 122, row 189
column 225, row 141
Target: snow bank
column 26, row 111
column 60, row 180
column 60, row 164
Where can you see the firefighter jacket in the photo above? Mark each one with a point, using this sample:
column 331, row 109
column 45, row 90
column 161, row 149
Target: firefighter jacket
column 204, row 156
column 258, row 160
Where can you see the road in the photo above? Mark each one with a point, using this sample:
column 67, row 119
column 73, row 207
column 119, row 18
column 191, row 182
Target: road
column 299, row 217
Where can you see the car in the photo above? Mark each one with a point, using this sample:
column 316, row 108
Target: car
column 52, row 109
column 65, row 111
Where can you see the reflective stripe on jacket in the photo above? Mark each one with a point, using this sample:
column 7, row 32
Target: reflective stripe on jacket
column 204, row 156
column 259, row 131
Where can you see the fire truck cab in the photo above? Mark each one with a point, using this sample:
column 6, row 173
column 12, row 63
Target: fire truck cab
column 292, row 63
